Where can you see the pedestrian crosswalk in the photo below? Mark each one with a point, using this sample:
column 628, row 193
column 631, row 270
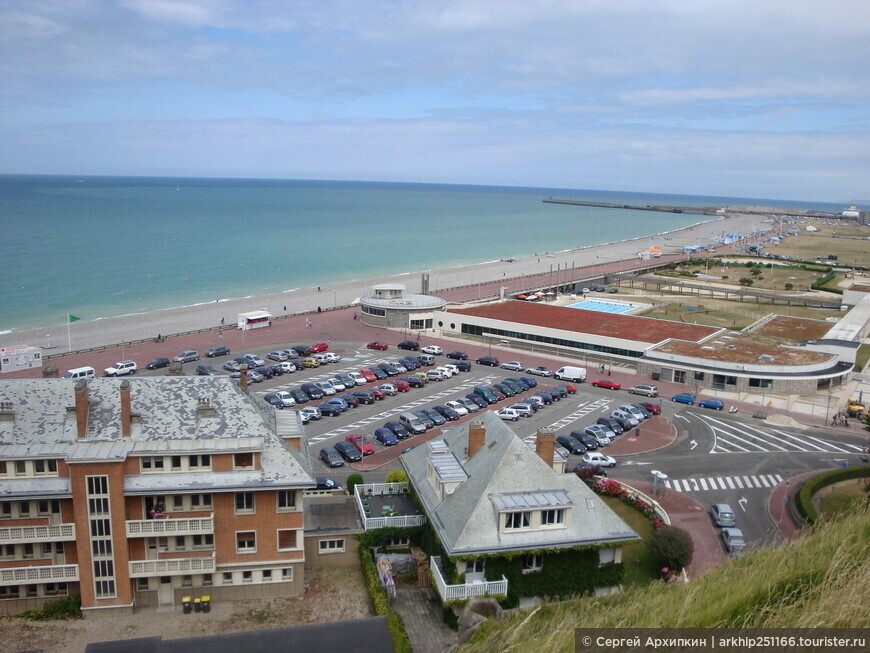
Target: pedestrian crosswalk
column 739, row 437
column 706, row 484
column 583, row 409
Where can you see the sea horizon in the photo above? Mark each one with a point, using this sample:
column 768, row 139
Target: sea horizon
column 99, row 246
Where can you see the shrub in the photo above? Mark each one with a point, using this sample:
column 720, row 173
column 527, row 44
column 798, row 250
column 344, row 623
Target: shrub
column 69, row 607
column 745, row 281
column 397, row 476
column 672, row 547
column 789, row 286
column 352, row 481
column 588, row 474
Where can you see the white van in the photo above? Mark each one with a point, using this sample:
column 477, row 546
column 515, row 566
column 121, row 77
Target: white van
column 426, row 359
column 80, row 373
column 573, row 374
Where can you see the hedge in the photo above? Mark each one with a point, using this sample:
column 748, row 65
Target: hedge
column 395, row 624
column 804, row 496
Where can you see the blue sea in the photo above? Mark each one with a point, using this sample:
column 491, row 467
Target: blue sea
column 102, row 246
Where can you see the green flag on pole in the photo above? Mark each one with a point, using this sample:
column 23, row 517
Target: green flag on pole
column 73, row 318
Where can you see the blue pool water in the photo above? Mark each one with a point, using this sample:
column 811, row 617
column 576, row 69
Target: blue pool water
column 601, row 307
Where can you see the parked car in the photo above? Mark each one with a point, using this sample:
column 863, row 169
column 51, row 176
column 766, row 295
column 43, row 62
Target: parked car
column 379, row 373
column 504, row 389
column 491, row 361
column 361, row 442
column 388, row 389
column 254, row 360
column 437, row 418
column 595, row 458
column 358, row 378
column 435, row 350
column 655, row 409
column 300, row 396
column 498, row 394
column 347, row 380
column 539, row 371
column 513, row 366
column 292, row 354
column 684, row 398
column 336, row 383
column 321, row 358
column 302, row 350
column 469, row 404
column 722, row 514
column 546, row 397
column 313, row 391
column 513, row 385
column 278, row 369
column 255, row 377
column 310, row 363
column 646, row 413
column 458, row 407
column 463, row 366
column 427, row 421
column 573, row 445
column 207, row 370
column 612, row 424
column 313, row 412
column 410, row 345
column 559, row 390
column 278, row 356
column 595, row 470
column 122, row 368
column 347, row 451
column 447, row 412
column 714, row 404
column 508, row 414
column 414, row 381
column 588, row 441
column 607, row 383
column 643, row 389
column 157, row 363
column 377, row 344
column 187, row 356
column 398, row 430
column 457, row 355
column 535, row 401
column 529, row 381
column 368, row 375
column 286, row 398
column 265, row 372
column 318, row 347
column 401, row 385
column 478, row 399
column 274, row 400
column 613, row 291
column 346, row 401
column 570, row 388
column 331, row 457
column 386, row 437
column 735, row 543
column 435, row 375
column 523, row 409
column 364, row 396
column 326, row 387
column 330, row 409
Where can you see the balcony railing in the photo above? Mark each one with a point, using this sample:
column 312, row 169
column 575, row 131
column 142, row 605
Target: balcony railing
column 165, row 527
column 37, row 575
column 363, row 492
column 43, row 533
column 466, row 590
column 172, row 566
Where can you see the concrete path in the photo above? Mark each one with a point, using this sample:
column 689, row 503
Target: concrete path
column 424, row 619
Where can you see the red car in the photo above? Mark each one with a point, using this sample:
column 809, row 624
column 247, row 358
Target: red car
column 607, row 383
column 368, row 375
column 318, row 347
column 377, row 393
column 571, row 388
column 499, row 395
column 378, row 345
column 360, row 442
column 402, row 386
column 655, row 409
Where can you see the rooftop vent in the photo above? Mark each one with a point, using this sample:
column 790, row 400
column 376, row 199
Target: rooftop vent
column 708, row 348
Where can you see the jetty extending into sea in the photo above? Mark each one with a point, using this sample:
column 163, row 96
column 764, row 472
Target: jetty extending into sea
column 699, row 210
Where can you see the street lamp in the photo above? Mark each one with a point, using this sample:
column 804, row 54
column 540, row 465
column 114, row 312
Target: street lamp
column 334, row 299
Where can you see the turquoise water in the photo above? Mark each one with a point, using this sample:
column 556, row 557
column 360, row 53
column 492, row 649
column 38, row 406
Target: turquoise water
column 102, row 246
column 601, row 307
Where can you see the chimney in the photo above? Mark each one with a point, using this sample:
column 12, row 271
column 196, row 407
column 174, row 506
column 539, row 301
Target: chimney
column 50, row 372
column 545, row 445
column 243, row 377
column 175, row 369
column 294, row 441
column 204, row 407
column 126, row 417
column 476, row 437
column 7, row 411
column 83, row 405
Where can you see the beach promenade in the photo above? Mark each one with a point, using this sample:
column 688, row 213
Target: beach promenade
column 466, row 281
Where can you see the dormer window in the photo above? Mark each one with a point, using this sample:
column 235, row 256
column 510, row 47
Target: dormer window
column 515, row 520
column 553, row 517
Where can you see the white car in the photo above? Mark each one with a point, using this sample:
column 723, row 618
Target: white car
column 388, row 389
column 121, row 369
column 513, row 366
column 539, row 371
column 359, row 378
column 508, row 414
column 320, row 358
column 595, row 458
column 338, row 385
column 446, row 372
column 310, row 412
column 450, row 368
column 287, row 368
column 460, row 408
column 432, row 349
column 470, row 405
column 286, row 398
column 331, row 358
column 254, row 360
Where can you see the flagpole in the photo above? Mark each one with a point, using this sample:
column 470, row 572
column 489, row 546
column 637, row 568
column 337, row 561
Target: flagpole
column 68, row 335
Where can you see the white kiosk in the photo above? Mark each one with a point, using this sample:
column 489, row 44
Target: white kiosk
column 19, row 357
column 254, row 320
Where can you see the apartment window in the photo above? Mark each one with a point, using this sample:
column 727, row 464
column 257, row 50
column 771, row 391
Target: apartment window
column 46, row 548
column 43, row 508
column 27, row 551
column 244, row 503
column 286, row 500
column 246, row 542
column 202, row 461
column 105, row 589
column 5, row 510
column 532, row 562
column 767, row 384
column 45, row 467
column 178, row 502
column 286, row 540
column 287, row 574
column 247, row 577
column 207, row 580
column 179, row 542
column 267, row 575
column 516, row 520
column 720, row 381
column 200, row 502
column 151, row 463
column 175, row 461
column 552, row 517
column 228, row 578
column 399, row 541
column 203, row 541
column 680, row 376
column 2, row 468
column 23, row 508
column 142, row 583
column 98, row 506
column 187, row 581
column 243, row 461
column 101, row 547
column 20, row 468
column 699, row 376
column 332, row 546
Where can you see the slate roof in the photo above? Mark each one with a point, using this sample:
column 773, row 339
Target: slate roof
column 467, row 520
column 166, row 421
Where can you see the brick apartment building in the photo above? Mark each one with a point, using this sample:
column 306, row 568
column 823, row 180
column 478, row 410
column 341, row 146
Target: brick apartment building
column 138, row 492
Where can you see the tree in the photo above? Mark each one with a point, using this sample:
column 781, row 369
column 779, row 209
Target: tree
column 397, row 476
column 745, row 281
column 789, row 286
column 352, row 481
column 672, row 547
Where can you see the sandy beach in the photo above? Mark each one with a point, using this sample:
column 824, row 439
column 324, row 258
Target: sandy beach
column 146, row 325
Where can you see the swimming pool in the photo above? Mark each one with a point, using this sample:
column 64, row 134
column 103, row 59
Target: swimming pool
column 602, row 307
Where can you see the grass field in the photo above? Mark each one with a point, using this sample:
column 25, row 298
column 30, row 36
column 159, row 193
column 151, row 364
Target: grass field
column 848, row 250
column 728, row 314
column 641, row 567
column 772, row 278
column 841, row 498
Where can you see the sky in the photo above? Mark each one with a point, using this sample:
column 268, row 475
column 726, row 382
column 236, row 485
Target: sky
column 739, row 98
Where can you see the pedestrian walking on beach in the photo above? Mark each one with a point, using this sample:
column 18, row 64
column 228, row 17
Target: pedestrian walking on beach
column 318, row 288
column 608, row 371
column 222, row 320
column 354, row 315
column 285, row 308
column 318, row 309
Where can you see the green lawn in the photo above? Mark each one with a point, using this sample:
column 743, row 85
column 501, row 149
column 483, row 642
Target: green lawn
column 640, row 566
column 845, row 498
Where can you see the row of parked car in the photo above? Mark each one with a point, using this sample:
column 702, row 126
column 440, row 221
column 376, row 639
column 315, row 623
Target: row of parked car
column 410, row 423
column 604, row 431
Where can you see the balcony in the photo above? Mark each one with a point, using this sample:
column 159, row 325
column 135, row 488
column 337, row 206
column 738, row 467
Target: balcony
column 387, row 505
column 166, row 527
column 171, row 567
column 466, row 590
column 37, row 575
column 46, row 533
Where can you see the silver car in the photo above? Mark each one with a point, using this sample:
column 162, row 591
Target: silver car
column 735, row 543
column 646, row 390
